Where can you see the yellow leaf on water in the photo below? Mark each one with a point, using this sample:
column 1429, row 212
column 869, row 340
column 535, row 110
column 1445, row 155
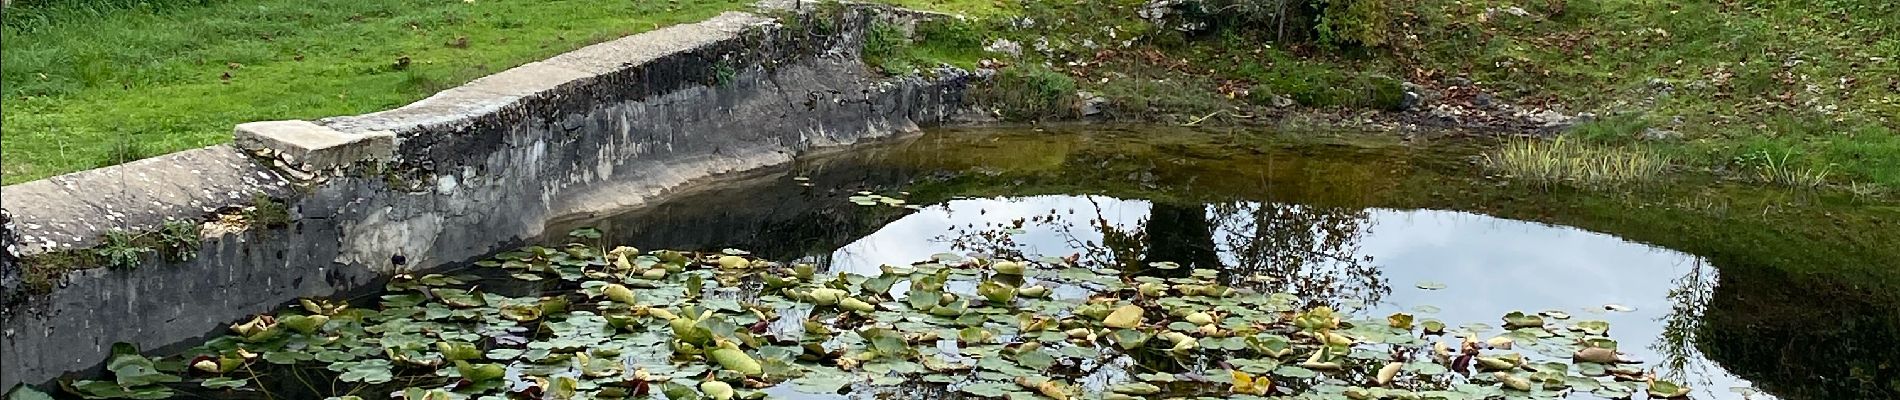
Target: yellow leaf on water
column 1245, row 383
column 1126, row 317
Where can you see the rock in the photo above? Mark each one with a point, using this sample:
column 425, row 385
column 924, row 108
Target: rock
column 1483, row 100
column 1410, row 102
column 1660, row 86
column 1005, row 46
column 1548, row 118
column 1445, row 112
column 1280, row 101
column 1092, row 103
column 1458, row 81
column 1661, row 134
column 9, row 264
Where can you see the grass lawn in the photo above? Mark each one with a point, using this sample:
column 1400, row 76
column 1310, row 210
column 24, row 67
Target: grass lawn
column 86, row 87
column 1750, row 86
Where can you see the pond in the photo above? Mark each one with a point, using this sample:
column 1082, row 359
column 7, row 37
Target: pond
column 1353, row 258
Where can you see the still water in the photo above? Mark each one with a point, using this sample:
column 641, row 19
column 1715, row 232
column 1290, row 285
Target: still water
column 1709, row 288
column 1306, row 215
column 1371, row 261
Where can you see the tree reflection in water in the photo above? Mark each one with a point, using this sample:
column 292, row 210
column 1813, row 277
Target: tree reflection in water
column 1309, row 251
column 1681, row 361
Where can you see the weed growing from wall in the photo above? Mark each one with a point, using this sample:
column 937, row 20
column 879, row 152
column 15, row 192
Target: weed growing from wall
column 180, row 240
column 267, row 212
column 122, row 249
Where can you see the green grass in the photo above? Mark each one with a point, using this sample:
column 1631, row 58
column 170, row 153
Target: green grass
column 1566, row 162
column 1801, row 79
column 928, row 44
column 93, row 85
column 1814, row 81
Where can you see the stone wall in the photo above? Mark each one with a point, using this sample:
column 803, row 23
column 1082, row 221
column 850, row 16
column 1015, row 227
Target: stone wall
column 467, row 172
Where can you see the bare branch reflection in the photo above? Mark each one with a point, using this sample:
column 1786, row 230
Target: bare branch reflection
column 1310, row 251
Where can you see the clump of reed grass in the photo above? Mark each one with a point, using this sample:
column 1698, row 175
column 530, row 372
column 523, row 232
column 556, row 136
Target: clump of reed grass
column 1782, row 172
column 1564, row 162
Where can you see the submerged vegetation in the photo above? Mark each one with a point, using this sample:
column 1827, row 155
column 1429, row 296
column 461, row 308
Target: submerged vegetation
column 588, row 322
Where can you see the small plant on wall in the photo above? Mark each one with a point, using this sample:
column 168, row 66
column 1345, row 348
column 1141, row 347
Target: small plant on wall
column 122, row 250
column 180, row 240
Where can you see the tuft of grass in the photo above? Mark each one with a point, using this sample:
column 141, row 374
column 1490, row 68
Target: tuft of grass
column 1564, row 162
column 178, row 74
column 1780, row 171
column 267, row 212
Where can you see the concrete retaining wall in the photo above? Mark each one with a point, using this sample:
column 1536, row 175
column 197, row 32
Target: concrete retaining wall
column 467, row 172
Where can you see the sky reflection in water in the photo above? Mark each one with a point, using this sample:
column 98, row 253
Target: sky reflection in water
column 1371, row 260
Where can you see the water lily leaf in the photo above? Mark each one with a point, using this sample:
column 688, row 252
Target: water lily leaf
column 886, row 342
column 1400, row 321
column 1124, row 317
column 1156, row 377
column 224, row 383
column 1662, row 389
column 1512, row 381
column 1128, row 339
column 1294, row 372
column 996, row 293
column 110, row 390
column 821, row 382
column 305, row 324
column 585, row 233
column 453, row 351
column 1518, row 319
column 480, row 373
column 734, row 359
column 716, row 390
column 618, row 293
column 1035, row 360
column 1135, row 388
column 1426, row 368
column 1595, row 355
column 371, row 376
column 1593, row 327
column 987, row 389
column 130, row 369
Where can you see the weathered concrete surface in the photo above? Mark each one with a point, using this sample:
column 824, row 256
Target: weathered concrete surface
column 75, row 210
column 312, row 147
column 473, row 170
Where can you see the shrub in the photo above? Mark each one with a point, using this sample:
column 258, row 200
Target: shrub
column 884, row 45
column 1354, row 22
column 1330, row 22
column 1321, row 87
column 1029, row 93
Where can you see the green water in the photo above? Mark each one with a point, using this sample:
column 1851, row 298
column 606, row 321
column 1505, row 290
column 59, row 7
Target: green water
column 1739, row 292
